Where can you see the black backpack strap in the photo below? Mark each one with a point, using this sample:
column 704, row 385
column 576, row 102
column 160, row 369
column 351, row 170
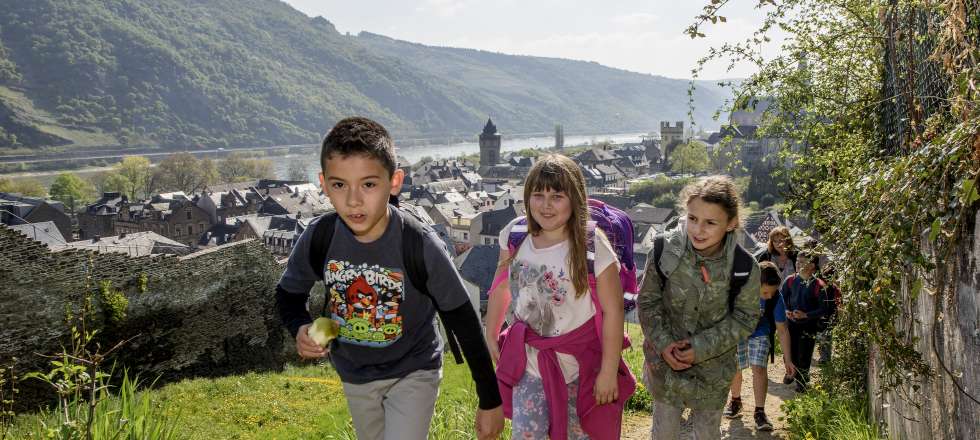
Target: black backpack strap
column 769, row 316
column 322, row 236
column 320, row 242
column 413, row 242
column 658, row 251
column 741, row 270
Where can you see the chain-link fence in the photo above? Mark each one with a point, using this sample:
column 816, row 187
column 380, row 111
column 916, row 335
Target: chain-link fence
column 914, row 85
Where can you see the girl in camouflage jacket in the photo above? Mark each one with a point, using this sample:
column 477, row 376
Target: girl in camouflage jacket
column 690, row 331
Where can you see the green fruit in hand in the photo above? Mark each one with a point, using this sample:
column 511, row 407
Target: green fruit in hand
column 323, row 331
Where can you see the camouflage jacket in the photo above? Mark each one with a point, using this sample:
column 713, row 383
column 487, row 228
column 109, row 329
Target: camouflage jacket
column 689, row 308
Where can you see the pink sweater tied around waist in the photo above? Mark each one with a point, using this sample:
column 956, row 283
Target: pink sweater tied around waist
column 600, row 422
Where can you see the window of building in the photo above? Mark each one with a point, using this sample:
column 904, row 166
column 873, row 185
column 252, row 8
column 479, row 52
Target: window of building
column 188, row 214
column 190, row 229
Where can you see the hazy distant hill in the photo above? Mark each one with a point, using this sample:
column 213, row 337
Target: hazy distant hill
column 246, row 72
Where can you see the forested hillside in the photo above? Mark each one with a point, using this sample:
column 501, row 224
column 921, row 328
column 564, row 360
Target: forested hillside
column 252, row 72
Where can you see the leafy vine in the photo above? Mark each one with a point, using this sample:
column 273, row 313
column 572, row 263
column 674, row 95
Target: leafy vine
column 888, row 173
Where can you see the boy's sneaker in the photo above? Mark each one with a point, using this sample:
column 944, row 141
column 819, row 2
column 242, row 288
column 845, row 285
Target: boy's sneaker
column 787, row 380
column 733, row 409
column 761, row 422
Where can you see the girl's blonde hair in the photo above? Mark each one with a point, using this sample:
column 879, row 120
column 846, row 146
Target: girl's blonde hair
column 559, row 173
column 719, row 190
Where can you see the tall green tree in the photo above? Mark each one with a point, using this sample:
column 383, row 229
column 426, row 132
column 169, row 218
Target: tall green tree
column 239, row 167
column 691, row 157
column 71, row 190
column 298, row 169
column 115, row 182
column 184, row 172
column 136, row 169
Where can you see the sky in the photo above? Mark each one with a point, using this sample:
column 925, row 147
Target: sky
column 639, row 36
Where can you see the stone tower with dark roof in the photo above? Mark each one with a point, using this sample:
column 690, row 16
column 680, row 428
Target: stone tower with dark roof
column 489, row 146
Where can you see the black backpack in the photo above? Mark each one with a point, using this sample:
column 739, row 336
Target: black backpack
column 414, row 230
column 741, row 270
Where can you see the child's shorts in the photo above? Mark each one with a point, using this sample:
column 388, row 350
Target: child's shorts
column 753, row 351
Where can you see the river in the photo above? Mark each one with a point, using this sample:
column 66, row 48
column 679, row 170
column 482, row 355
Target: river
column 412, row 153
column 416, row 153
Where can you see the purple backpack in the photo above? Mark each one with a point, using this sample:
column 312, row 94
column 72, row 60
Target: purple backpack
column 617, row 227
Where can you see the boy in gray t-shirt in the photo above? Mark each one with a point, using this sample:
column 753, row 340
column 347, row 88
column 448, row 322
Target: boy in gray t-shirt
column 388, row 353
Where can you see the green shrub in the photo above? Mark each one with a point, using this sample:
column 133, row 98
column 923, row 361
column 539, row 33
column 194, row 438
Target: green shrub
column 817, row 415
column 641, row 399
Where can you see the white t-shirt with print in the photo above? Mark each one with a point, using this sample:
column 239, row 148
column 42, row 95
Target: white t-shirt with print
column 543, row 295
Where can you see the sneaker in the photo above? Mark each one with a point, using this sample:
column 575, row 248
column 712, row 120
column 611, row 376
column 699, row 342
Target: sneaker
column 761, row 422
column 787, row 380
column 733, row 409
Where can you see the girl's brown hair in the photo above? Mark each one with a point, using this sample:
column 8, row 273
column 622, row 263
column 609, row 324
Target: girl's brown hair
column 559, row 173
column 720, row 190
column 780, row 231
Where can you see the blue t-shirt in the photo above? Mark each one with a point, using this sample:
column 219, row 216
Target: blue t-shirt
column 779, row 313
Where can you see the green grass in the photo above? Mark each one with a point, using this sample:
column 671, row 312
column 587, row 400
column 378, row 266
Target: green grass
column 307, row 401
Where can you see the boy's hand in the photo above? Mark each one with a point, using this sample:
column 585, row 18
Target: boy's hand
column 489, row 423
column 606, row 388
column 790, row 368
column 307, row 347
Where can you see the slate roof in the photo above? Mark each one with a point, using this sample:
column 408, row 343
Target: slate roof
column 478, row 266
column 108, row 204
column 451, row 210
column 134, row 244
column 225, row 187
column 23, row 205
column 218, row 234
column 646, row 213
column 447, row 185
column 494, row 221
column 609, row 171
column 306, row 203
column 594, row 155
column 43, row 232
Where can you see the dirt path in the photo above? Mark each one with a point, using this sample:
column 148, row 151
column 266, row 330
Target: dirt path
column 637, row 426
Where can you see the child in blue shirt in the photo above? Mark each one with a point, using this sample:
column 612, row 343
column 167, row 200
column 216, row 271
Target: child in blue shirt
column 757, row 350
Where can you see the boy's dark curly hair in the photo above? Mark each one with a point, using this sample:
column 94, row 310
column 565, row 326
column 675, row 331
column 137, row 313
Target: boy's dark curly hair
column 359, row 135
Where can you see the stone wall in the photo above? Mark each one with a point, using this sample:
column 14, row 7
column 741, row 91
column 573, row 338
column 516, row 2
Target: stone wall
column 944, row 412
column 206, row 314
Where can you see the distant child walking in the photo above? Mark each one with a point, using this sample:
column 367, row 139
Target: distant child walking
column 806, row 307
column 558, row 363
column 700, row 297
column 387, row 352
column 757, row 351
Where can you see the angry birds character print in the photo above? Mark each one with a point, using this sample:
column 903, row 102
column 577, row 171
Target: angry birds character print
column 365, row 301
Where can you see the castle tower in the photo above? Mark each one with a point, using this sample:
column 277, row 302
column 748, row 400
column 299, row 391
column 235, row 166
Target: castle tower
column 671, row 137
column 489, row 146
